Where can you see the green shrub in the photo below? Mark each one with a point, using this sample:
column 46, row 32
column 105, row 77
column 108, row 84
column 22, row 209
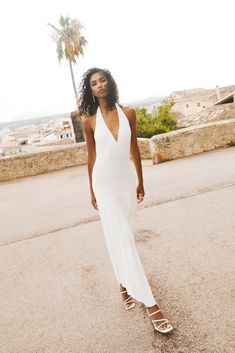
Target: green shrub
column 153, row 124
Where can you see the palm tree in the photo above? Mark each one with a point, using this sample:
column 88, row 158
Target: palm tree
column 69, row 45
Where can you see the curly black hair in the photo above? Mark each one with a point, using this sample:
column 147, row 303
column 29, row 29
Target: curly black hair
column 86, row 104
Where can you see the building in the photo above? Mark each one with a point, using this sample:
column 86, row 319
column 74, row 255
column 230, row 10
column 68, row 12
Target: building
column 191, row 101
column 9, row 148
column 230, row 98
column 59, row 134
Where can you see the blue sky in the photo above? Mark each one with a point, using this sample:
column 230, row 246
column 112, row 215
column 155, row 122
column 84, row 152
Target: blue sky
column 151, row 47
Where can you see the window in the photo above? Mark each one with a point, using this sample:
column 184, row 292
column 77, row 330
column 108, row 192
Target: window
column 187, row 105
column 198, row 104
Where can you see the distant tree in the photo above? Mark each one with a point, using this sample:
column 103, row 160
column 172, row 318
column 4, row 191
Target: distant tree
column 165, row 116
column 144, row 124
column 163, row 120
column 69, row 45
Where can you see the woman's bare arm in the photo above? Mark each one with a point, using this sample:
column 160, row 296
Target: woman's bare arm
column 135, row 153
column 91, row 149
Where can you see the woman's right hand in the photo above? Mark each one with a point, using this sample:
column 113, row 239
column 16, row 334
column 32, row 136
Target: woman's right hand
column 93, row 201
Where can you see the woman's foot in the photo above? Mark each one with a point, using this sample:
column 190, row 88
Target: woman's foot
column 128, row 301
column 161, row 324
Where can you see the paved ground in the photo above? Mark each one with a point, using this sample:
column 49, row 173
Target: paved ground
column 58, row 293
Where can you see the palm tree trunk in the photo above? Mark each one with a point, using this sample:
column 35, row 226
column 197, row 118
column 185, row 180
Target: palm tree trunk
column 73, row 81
column 76, row 119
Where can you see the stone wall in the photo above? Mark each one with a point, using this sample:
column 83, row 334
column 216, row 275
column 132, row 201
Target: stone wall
column 54, row 158
column 159, row 148
column 191, row 140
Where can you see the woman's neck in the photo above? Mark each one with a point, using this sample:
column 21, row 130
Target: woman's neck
column 103, row 106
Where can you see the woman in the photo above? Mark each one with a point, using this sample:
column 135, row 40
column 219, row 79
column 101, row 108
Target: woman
column 110, row 133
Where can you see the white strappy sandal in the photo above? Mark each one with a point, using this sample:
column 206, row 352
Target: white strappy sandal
column 165, row 321
column 129, row 302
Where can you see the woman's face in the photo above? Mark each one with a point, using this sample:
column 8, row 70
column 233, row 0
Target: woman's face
column 99, row 84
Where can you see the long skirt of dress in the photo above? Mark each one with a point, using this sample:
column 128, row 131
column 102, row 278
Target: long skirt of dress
column 117, row 204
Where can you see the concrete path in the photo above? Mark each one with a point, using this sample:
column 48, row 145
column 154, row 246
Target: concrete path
column 58, row 292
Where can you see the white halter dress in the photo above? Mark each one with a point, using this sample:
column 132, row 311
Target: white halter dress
column 114, row 183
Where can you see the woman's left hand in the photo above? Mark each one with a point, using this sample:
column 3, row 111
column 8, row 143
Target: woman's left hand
column 140, row 192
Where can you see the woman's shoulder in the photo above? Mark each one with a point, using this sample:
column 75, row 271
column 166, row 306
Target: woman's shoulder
column 87, row 117
column 87, row 120
column 127, row 108
column 129, row 111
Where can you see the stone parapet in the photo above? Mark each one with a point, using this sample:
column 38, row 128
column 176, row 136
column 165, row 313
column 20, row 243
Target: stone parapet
column 191, row 140
column 54, row 158
column 159, row 148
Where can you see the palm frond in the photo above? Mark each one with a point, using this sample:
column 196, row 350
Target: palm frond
column 83, row 41
column 68, row 38
column 64, row 21
column 59, row 50
column 54, row 27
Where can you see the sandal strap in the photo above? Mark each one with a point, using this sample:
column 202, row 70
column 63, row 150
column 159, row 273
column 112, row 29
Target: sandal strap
column 128, row 299
column 165, row 320
column 162, row 324
column 155, row 312
column 124, row 291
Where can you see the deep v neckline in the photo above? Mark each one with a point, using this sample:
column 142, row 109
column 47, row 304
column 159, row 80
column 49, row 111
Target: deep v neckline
column 119, row 120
